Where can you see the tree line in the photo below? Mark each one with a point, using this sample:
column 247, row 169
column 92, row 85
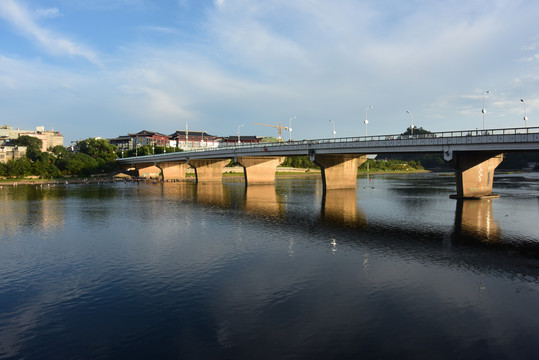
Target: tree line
column 95, row 156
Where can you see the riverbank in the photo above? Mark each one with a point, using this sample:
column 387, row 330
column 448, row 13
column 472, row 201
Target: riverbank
column 228, row 172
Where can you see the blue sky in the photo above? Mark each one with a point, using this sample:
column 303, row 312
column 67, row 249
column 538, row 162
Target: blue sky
column 105, row 68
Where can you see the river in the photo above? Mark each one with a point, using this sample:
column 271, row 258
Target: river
column 393, row 269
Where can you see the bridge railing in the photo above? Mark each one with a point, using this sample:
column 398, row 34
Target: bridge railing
column 374, row 138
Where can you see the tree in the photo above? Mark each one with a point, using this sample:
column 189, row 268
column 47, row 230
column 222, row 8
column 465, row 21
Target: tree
column 60, row 152
column 101, row 151
column 97, row 148
column 417, row 131
column 80, row 164
column 19, row 167
column 28, row 141
column 270, row 139
column 33, row 146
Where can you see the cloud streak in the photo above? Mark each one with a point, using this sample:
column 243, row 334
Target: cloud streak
column 53, row 43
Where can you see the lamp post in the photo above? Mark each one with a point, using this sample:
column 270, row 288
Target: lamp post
column 483, row 110
column 290, row 128
column 366, row 120
column 238, row 132
column 525, row 117
column 334, row 132
column 411, row 121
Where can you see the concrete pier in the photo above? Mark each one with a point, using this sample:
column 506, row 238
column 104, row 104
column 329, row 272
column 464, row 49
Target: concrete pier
column 173, row 170
column 147, row 170
column 209, row 170
column 339, row 171
column 474, row 172
column 260, row 169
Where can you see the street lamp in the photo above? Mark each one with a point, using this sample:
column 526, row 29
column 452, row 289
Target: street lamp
column 525, row 117
column 483, row 110
column 366, row 120
column 334, row 132
column 411, row 121
column 290, row 128
column 238, row 132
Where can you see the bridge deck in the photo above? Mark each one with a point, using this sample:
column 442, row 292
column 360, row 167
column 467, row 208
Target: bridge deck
column 499, row 140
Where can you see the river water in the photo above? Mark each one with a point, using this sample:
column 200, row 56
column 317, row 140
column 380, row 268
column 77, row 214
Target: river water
column 394, row 269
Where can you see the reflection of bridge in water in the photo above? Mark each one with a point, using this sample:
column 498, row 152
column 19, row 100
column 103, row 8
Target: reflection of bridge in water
column 474, row 155
column 474, row 225
column 473, row 218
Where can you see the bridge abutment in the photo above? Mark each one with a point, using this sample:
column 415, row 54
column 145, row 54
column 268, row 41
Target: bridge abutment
column 173, row 170
column 474, row 173
column 339, row 171
column 209, row 170
column 260, row 169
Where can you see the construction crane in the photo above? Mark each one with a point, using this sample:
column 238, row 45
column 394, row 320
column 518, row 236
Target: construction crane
column 279, row 127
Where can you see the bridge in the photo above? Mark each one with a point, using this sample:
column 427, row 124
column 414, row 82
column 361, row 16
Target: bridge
column 474, row 154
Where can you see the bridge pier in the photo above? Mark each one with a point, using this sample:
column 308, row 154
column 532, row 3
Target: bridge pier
column 260, row 169
column 173, row 170
column 209, row 170
column 147, row 170
column 474, row 173
column 339, row 171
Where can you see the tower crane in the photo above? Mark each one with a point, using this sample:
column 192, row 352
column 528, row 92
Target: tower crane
column 278, row 127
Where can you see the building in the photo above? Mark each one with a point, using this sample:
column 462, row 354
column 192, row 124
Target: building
column 11, row 153
column 144, row 137
column 243, row 140
column 190, row 140
column 49, row 138
column 123, row 143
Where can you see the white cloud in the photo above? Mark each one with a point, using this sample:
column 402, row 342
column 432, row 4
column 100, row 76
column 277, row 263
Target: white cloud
column 55, row 44
column 47, row 13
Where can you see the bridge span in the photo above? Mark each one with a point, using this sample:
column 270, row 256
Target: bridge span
column 474, row 154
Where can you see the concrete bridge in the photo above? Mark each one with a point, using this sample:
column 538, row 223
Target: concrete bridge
column 474, row 154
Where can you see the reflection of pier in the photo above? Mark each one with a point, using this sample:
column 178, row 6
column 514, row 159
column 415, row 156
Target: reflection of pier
column 211, row 193
column 262, row 199
column 474, row 219
column 340, row 207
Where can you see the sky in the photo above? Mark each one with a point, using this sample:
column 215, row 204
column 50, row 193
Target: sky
column 104, row 68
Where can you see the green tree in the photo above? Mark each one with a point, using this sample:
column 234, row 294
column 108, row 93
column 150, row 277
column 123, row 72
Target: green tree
column 270, row 139
column 60, row 152
column 80, row 164
column 19, row 167
column 299, row 162
column 33, row 146
column 97, row 148
column 417, row 131
column 101, row 151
